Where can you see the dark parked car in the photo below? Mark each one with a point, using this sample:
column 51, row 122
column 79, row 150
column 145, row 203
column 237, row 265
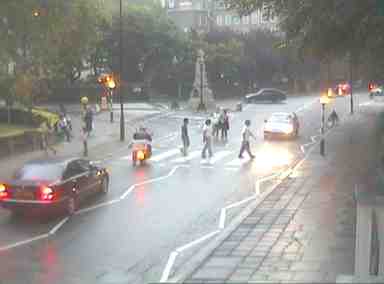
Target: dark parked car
column 53, row 184
column 272, row 95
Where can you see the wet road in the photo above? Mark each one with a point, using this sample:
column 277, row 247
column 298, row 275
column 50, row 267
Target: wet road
column 153, row 209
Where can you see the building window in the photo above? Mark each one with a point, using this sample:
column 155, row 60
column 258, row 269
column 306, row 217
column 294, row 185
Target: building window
column 236, row 20
column 202, row 20
column 245, row 20
column 219, row 20
column 228, row 20
column 255, row 18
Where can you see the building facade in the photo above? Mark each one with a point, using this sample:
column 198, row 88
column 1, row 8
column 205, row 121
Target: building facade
column 203, row 15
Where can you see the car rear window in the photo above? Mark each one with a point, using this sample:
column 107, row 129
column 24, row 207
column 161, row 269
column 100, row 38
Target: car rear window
column 40, row 172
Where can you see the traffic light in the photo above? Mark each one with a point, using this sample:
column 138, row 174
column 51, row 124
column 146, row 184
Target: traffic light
column 107, row 81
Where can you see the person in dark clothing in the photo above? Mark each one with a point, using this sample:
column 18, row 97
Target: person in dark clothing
column 185, row 137
column 225, row 127
column 88, row 119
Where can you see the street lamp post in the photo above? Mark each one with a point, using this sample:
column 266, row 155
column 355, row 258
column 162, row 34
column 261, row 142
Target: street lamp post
column 201, row 106
column 122, row 121
column 351, row 82
column 323, row 100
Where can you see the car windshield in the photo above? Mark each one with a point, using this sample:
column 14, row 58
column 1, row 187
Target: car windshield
column 40, row 172
column 280, row 118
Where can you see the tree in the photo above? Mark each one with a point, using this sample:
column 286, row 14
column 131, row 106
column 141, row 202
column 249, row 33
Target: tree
column 50, row 41
column 151, row 41
column 325, row 29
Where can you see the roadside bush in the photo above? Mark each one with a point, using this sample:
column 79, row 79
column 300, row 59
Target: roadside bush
column 23, row 116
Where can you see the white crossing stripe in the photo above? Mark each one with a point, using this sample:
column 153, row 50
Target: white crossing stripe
column 190, row 156
column 219, row 155
column 236, row 162
column 165, row 155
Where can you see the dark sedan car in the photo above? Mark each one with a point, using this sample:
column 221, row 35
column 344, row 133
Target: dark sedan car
column 271, row 95
column 53, row 183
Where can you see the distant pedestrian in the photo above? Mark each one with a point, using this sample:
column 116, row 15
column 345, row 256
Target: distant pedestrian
column 63, row 126
column 185, row 137
column 84, row 138
column 246, row 134
column 225, row 127
column 207, row 140
column 88, row 119
column 215, row 125
column 46, row 132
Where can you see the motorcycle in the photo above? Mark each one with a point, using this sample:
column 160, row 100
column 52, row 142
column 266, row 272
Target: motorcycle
column 141, row 148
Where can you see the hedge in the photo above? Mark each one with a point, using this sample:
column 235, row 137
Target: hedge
column 22, row 116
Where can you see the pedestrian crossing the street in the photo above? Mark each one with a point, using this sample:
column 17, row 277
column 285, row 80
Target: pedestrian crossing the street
column 224, row 158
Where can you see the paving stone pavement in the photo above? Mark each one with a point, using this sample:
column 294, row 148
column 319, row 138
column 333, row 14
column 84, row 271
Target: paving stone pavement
column 304, row 230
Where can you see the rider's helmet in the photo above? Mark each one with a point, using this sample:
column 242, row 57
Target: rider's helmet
column 247, row 122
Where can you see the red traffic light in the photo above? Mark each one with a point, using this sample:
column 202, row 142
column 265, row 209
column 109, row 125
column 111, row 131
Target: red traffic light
column 107, row 80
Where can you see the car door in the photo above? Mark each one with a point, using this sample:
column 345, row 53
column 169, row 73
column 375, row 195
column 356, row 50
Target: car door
column 92, row 179
column 76, row 178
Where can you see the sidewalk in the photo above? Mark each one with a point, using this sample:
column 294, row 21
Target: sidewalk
column 104, row 140
column 304, row 229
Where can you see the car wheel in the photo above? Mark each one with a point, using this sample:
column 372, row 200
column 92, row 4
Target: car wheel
column 104, row 188
column 71, row 205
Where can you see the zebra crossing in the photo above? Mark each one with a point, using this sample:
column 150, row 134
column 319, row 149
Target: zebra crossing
column 221, row 158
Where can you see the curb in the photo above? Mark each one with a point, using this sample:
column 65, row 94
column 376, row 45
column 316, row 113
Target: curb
column 197, row 259
column 204, row 253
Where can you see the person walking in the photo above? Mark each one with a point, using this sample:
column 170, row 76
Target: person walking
column 185, row 137
column 88, row 119
column 84, row 138
column 246, row 134
column 224, row 131
column 207, row 140
column 63, row 125
column 46, row 132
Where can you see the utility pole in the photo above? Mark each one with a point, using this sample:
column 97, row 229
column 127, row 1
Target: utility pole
column 122, row 121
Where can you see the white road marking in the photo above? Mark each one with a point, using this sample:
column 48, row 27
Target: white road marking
column 237, row 162
column 168, row 267
column 190, row 156
column 58, row 226
column 257, row 187
column 222, row 218
column 127, row 192
column 189, row 117
column 97, row 206
column 232, row 169
column 132, row 187
column 25, row 242
column 219, row 155
column 195, row 242
column 164, row 155
column 240, row 202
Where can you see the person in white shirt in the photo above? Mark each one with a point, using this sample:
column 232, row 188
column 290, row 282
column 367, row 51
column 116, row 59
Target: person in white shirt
column 246, row 134
column 207, row 139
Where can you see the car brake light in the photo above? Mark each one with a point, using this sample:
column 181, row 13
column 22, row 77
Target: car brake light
column 46, row 193
column 3, row 191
